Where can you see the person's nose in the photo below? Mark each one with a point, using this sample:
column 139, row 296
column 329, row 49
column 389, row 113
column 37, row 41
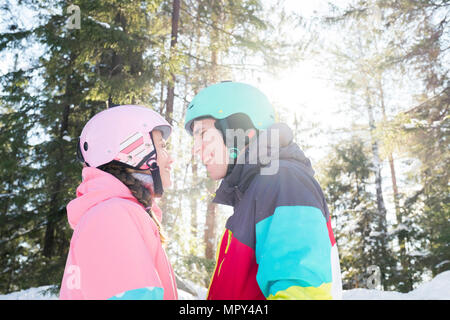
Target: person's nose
column 171, row 160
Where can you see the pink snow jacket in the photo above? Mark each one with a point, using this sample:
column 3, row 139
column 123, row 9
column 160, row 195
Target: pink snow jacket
column 115, row 251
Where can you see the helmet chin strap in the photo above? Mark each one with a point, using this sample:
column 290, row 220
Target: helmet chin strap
column 157, row 182
column 154, row 169
column 222, row 125
column 155, row 178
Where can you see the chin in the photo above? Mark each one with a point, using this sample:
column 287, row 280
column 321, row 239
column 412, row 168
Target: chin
column 216, row 175
column 166, row 179
column 167, row 184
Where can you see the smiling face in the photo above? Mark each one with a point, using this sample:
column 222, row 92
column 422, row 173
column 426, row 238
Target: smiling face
column 163, row 158
column 210, row 147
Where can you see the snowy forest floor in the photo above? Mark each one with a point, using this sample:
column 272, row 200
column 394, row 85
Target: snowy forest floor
column 436, row 289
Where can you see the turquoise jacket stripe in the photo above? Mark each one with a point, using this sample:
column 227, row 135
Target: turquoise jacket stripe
column 292, row 249
column 149, row 293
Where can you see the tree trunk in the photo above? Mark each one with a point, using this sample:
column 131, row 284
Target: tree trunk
column 173, row 42
column 194, row 205
column 54, row 212
column 390, row 157
column 381, row 208
column 210, row 225
column 400, row 237
column 210, row 230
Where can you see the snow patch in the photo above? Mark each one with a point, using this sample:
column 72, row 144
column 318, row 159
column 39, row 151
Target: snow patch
column 30, row 294
column 436, row 289
column 104, row 24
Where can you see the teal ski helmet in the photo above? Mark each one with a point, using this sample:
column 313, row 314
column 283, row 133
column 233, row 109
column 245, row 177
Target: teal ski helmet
column 227, row 98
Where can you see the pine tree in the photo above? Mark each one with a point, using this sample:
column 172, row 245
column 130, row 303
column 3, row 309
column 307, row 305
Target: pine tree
column 425, row 53
column 416, row 48
column 82, row 69
column 346, row 179
column 122, row 53
column 358, row 70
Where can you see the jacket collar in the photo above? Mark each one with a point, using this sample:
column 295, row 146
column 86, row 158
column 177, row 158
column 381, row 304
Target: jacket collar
column 98, row 186
column 233, row 186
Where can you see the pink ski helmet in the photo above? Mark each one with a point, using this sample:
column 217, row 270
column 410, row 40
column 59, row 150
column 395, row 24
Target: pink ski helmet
column 123, row 134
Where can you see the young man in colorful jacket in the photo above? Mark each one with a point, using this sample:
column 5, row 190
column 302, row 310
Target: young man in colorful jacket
column 278, row 244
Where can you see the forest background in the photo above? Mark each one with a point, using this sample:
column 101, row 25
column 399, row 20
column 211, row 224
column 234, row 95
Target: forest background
column 364, row 84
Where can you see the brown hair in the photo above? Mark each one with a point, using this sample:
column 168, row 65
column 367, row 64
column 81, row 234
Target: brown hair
column 137, row 188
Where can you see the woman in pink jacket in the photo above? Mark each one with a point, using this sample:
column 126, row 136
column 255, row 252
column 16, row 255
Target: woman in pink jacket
column 116, row 249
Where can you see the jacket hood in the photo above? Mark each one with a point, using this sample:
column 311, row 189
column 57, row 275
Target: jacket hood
column 250, row 164
column 96, row 187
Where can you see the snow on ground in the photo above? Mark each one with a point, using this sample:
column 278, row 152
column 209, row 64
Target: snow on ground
column 30, row 294
column 40, row 294
column 199, row 290
column 436, row 289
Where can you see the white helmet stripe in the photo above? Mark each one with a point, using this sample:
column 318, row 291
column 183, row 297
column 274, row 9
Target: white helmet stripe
column 130, row 140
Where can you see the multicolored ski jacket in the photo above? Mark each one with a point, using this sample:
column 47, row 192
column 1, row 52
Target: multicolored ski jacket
column 278, row 244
